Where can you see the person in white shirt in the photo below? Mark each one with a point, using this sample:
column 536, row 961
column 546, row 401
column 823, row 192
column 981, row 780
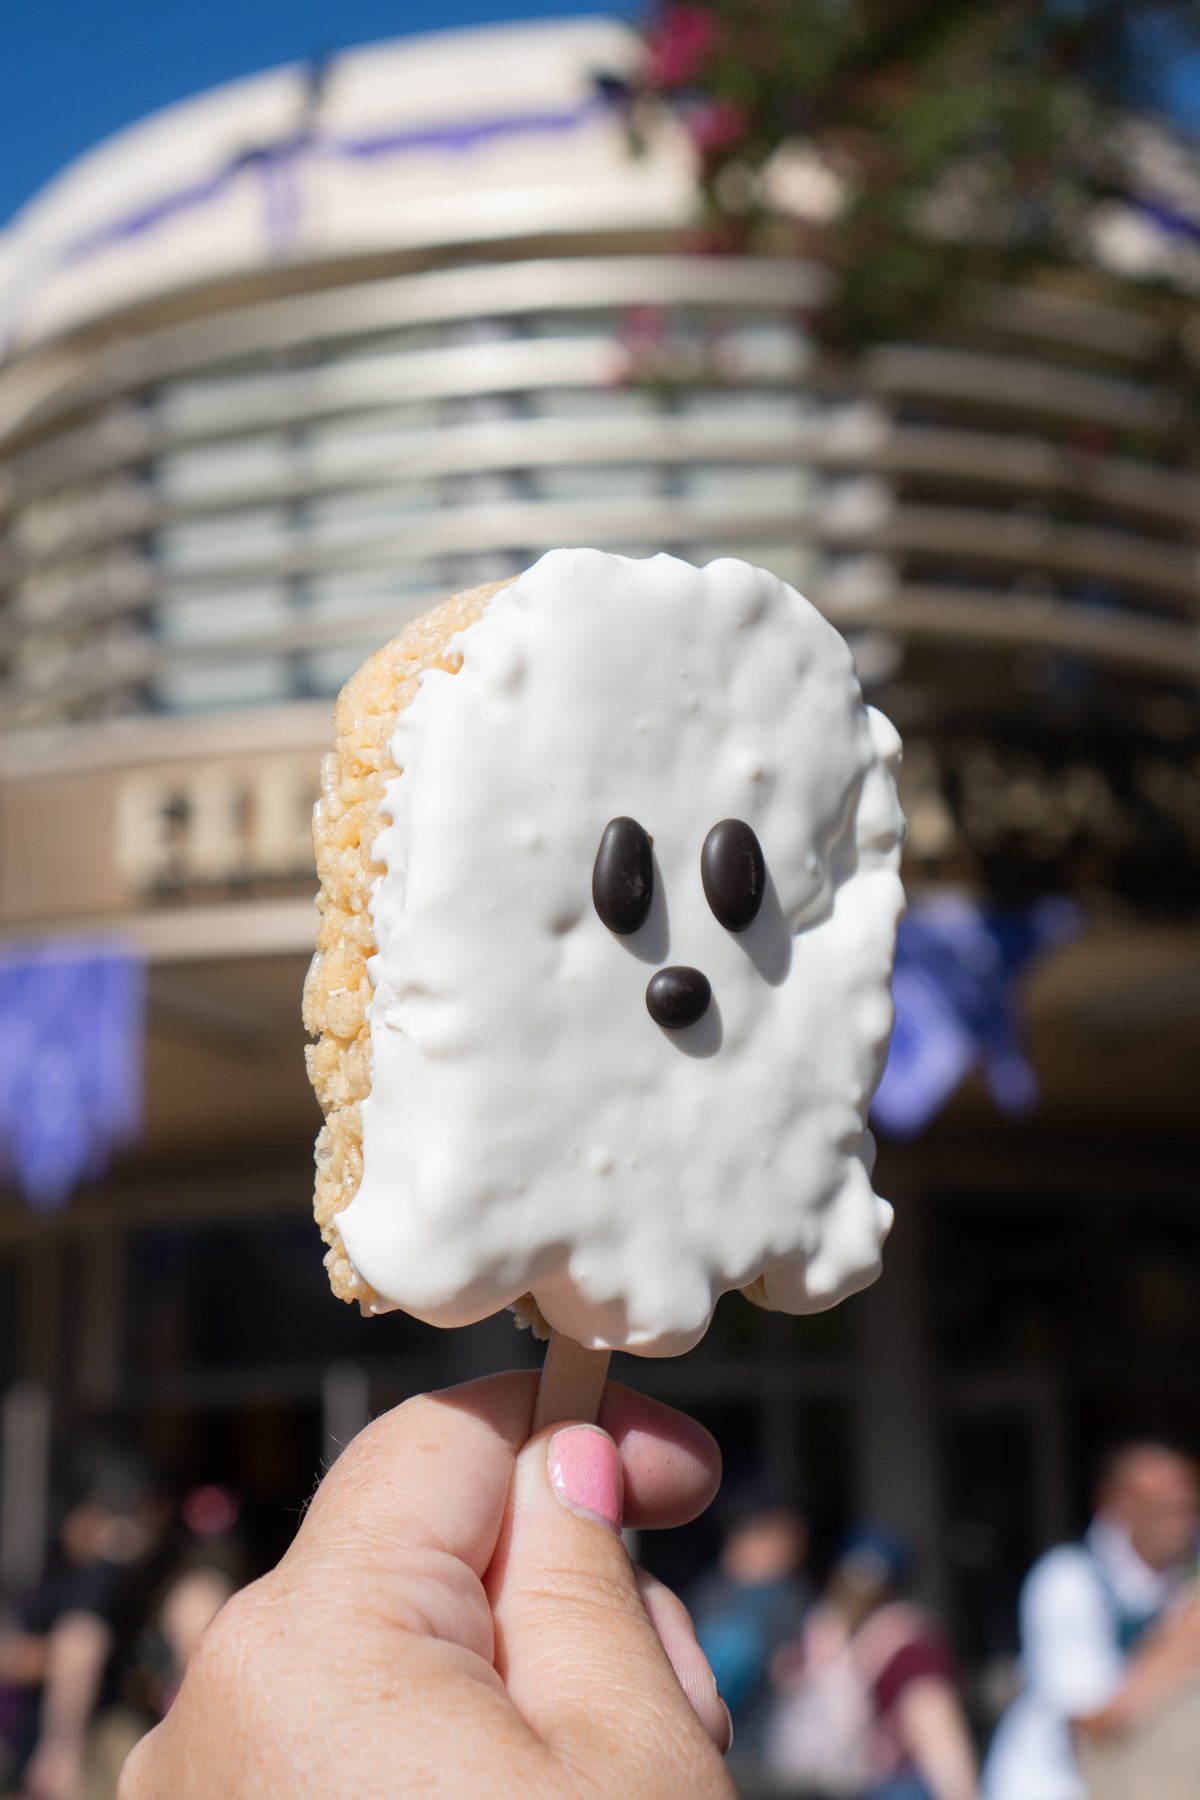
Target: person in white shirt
column 1110, row 1628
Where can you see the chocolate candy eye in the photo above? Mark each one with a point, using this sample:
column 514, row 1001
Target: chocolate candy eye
column 623, row 877
column 734, row 873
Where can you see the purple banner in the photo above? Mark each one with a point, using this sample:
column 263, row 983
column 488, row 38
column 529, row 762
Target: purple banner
column 72, row 1042
column 955, row 989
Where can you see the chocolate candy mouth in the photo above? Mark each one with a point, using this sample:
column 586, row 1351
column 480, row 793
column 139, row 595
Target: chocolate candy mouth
column 677, row 996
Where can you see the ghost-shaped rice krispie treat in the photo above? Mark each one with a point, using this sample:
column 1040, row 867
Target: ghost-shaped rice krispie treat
column 609, row 893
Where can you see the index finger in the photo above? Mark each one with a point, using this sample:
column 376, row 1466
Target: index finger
column 434, row 1473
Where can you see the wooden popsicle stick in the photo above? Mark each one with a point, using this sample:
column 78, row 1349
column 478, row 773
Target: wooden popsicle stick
column 572, row 1383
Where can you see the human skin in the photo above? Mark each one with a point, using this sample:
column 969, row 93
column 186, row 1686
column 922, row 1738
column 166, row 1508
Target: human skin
column 446, row 1624
column 1169, row 1659
column 76, row 1652
column 934, row 1732
column 1153, row 1495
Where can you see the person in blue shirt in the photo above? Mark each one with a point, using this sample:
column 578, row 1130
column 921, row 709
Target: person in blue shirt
column 750, row 1605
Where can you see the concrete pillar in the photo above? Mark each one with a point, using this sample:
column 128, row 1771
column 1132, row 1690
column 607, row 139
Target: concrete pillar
column 345, row 1407
column 1051, row 1497
column 781, row 1428
column 102, row 1295
column 897, row 1472
column 24, row 1482
column 41, row 1303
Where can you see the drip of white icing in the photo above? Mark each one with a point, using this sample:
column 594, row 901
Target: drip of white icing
column 529, row 1127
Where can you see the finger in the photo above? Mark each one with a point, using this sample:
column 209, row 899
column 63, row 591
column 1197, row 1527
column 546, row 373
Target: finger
column 574, row 1643
column 677, row 1635
column 406, row 1521
column 671, row 1465
column 435, row 1471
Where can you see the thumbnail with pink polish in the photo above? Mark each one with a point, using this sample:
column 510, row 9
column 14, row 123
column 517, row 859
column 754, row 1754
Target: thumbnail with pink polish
column 585, row 1473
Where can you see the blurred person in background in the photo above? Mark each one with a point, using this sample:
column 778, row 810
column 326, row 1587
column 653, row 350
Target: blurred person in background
column 868, row 1699
column 211, row 1563
column 1110, row 1628
column 79, row 1626
column 22, row 1663
column 750, row 1604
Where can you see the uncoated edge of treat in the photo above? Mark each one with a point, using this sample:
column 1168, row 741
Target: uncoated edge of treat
column 347, row 821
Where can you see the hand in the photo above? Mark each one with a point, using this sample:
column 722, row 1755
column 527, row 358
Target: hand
column 1176, row 1641
column 1166, row 1659
column 22, row 1658
column 53, row 1772
column 457, row 1616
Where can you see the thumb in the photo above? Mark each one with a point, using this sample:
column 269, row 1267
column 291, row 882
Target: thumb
column 575, row 1645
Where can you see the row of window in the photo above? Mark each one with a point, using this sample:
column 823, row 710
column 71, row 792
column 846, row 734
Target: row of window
column 366, row 446
column 194, row 637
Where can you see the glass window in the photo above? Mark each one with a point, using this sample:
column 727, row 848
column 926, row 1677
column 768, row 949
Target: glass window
column 326, row 435
column 406, row 586
column 348, row 511
column 749, row 404
column 878, row 657
column 597, row 481
column 231, row 1296
column 571, row 323
column 479, row 409
column 792, row 563
column 479, row 331
column 762, row 349
column 42, row 596
column 204, row 401
column 483, row 487
column 13, row 1282
column 384, row 344
column 254, row 535
column 216, row 615
column 364, row 441
column 43, row 658
column 595, row 403
column 459, row 572
column 256, row 460
column 325, row 671
column 208, row 686
column 855, row 575
column 991, row 1481
column 46, row 527
column 752, row 485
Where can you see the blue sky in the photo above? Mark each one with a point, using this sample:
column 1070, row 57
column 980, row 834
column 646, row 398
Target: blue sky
column 74, row 71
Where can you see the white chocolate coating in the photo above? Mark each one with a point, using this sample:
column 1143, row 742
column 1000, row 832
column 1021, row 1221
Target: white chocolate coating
column 530, row 1128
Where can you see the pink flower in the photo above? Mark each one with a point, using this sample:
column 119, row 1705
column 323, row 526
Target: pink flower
column 644, row 322
column 682, row 45
column 718, row 125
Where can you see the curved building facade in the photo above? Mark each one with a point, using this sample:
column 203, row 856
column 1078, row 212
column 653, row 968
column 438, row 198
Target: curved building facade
column 282, row 366
column 290, row 362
